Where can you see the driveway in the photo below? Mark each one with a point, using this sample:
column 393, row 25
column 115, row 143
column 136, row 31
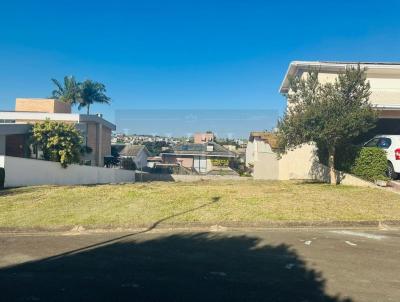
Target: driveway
column 247, row 265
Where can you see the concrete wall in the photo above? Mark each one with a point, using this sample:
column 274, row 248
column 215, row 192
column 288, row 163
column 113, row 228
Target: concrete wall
column 267, row 166
column 41, row 105
column 254, row 148
column 185, row 178
column 300, row 163
column 30, row 172
column 249, row 154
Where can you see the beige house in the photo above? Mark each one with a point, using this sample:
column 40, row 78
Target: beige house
column 14, row 126
column 201, row 138
column 302, row 162
column 197, row 157
column 384, row 79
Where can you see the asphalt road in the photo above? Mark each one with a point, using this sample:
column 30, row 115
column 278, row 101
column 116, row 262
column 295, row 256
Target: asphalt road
column 264, row 265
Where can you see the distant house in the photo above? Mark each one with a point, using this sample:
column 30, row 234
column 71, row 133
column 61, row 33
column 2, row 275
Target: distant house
column 229, row 147
column 138, row 153
column 206, row 137
column 15, row 126
column 260, row 142
column 199, row 157
column 153, row 161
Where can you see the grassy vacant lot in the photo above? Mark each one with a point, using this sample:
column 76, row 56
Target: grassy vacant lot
column 139, row 204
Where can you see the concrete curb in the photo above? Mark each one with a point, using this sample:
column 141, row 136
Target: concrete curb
column 384, row 224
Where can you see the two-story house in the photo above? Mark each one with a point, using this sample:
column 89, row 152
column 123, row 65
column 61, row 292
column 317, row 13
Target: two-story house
column 15, row 126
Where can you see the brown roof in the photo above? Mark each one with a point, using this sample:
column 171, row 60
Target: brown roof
column 268, row 137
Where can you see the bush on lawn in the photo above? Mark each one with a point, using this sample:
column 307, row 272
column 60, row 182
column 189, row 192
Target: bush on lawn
column 2, row 177
column 371, row 164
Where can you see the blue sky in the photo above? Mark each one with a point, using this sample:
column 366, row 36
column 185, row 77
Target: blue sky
column 185, row 54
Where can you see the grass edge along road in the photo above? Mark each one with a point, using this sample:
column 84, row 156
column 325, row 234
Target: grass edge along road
column 206, row 202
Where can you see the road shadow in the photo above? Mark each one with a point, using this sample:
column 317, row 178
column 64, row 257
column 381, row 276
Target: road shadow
column 180, row 267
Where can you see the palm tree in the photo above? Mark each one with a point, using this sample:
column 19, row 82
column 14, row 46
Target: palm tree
column 68, row 92
column 92, row 92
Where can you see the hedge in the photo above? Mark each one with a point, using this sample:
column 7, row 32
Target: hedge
column 220, row 162
column 371, row 164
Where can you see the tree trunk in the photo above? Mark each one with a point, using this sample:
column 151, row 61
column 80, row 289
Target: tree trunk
column 331, row 165
column 88, row 109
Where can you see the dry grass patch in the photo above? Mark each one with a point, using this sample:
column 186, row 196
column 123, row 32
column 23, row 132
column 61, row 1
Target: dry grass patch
column 204, row 202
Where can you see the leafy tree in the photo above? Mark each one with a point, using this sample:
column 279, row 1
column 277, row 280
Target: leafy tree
column 331, row 114
column 92, row 92
column 68, row 92
column 58, row 141
column 155, row 148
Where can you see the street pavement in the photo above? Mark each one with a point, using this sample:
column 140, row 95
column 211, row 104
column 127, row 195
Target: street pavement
column 224, row 265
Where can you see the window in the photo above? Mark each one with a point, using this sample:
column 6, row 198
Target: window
column 380, row 142
column 7, row 121
column 372, row 143
column 384, row 142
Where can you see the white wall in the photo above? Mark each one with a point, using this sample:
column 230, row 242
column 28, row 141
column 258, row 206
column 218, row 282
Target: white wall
column 253, row 150
column 249, row 153
column 30, row 172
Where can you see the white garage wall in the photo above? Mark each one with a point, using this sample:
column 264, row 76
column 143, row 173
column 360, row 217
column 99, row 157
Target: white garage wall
column 31, row 172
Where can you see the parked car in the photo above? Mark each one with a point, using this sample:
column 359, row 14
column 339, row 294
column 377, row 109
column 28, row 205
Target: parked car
column 391, row 143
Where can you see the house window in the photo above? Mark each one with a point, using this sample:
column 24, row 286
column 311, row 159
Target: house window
column 2, row 121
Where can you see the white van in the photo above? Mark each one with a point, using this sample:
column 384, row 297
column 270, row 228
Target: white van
column 391, row 143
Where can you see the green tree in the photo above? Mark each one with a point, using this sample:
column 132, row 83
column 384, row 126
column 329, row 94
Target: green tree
column 68, row 91
column 82, row 94
column 58, row 141
column 331, row 114
column 92, row 92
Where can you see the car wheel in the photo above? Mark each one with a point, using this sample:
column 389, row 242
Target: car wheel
column 390, row 171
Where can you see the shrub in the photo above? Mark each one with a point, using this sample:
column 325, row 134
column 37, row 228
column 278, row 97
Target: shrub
column 371, row 164
column 220, row 162
column 2, row 177
column 58, row 141
column 128, row 164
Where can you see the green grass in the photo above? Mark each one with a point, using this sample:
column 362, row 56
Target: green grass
column 139, row 204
